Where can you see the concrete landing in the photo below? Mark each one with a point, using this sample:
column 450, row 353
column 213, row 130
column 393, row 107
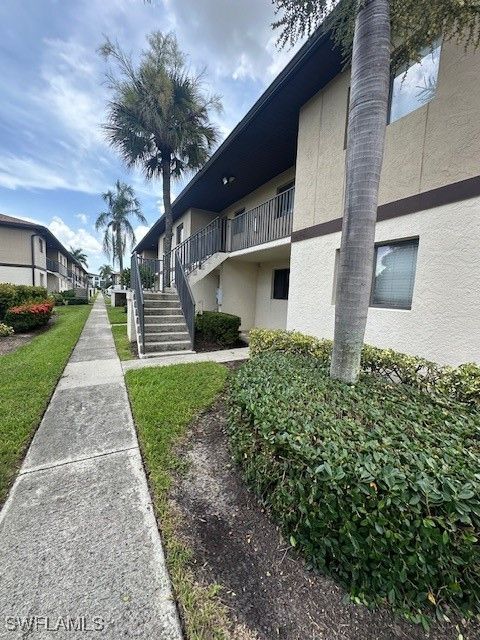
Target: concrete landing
column 80, row 553
column 225, row 355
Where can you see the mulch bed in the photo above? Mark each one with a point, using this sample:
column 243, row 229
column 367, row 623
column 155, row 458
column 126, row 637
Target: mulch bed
column 267, row 587
column 202, row 345
column 12, row 343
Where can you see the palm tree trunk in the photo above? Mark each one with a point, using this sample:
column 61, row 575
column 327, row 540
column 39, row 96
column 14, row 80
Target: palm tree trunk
column 167, row 205
column 370, row 80
column 120, row 250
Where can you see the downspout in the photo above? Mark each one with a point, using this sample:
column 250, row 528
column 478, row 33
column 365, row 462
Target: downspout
column 34, row 235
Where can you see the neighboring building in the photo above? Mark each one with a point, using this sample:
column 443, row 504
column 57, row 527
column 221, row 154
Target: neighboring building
column 96, row 281
column 258, row 229
column 30, row 254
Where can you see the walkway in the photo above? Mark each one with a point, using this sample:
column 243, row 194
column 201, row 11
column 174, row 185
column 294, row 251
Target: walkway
column 79, row 545
column 225, row 355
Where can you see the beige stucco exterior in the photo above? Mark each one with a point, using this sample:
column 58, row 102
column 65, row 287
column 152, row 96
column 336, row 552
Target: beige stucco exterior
column 20, row 249
column 435, row 145
column 443, row 322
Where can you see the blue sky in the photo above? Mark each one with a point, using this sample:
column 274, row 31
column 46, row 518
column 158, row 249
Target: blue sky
column 54, row 161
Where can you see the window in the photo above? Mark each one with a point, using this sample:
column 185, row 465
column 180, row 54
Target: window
column 180, row 233
column 284, row 203
column 40, row 245
column 415, row 85
column 238, row 225
column 281, row 282
column 394, row 274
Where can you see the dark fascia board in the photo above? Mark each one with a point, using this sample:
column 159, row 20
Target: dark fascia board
column 49, row 237
column 278, row 92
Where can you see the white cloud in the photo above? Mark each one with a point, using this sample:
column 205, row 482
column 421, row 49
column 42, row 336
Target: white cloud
column 79, row 239
column 82, row 217
column 140, row 231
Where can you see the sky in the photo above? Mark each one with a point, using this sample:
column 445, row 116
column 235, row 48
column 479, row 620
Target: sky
column 54, row 159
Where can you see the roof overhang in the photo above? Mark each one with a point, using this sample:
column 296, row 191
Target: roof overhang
column 264, row 143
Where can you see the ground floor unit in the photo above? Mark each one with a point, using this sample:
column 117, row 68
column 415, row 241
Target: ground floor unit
column 425, row 297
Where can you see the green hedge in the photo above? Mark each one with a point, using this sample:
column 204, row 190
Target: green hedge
column 12, row 295
column 377, row 483
column 218, row 327
column 73, row 301
column 461, row 383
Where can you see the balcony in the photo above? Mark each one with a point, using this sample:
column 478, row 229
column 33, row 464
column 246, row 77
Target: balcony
column 271, row 220
column 56, row 267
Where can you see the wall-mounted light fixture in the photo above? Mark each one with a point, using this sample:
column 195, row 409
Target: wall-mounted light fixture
column 227, row 180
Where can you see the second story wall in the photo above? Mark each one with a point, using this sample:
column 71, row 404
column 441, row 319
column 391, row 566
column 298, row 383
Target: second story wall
column 435, row 145
column 260, row 195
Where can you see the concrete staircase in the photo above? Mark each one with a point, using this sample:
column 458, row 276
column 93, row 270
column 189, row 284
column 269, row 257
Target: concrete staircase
column 165, row 328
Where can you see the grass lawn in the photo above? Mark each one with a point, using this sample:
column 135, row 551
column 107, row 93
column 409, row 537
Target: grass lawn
column 116, row 315
column 164, row 401
column 122, row 343
column 28, row 378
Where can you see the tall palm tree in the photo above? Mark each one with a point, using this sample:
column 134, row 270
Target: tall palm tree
column 80, row 255
column 159, row 117
column 115, row 222
column 363, row 29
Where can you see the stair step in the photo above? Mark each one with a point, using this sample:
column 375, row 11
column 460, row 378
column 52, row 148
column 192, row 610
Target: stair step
column 178, row 327
column 173, row 345
column 161, row 304
column 167, row 311
column 167, row 336
column 159, row 295
column 164, row 320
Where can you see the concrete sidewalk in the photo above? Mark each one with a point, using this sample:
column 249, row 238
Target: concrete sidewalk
column 80, row 553
column 224, row 355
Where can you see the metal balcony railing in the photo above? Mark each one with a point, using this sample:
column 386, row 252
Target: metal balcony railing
column 56, row 267
column 271, row 220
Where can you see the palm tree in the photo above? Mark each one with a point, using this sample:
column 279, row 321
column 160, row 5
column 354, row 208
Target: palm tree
column 363, row 29
column 80, row 255
column 159, row 117
column 115, row 222
column 105, row 271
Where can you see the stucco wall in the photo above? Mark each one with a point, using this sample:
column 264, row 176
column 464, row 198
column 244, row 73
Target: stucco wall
column 16, row 246
column 435, row 145
column 269, row 313
column 238, row 281
column 204, row 292
column 16, row 275
column 443, row 324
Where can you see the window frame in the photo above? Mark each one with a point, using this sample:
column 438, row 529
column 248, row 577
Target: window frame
column 178, row 234
column 237, row 214
column 395, row 73
column 274, row 272
column 384, row 243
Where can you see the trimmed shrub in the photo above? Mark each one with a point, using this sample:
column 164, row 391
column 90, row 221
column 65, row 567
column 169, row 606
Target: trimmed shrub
column 58, row 299
column 215, row 326
column 5, row 330
column 74, row 301
column 460, row 383
column 376, row 483
column 30, row 315
column 12, row 295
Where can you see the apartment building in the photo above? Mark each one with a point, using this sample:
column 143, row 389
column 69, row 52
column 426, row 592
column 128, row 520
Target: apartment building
column 257, row 230
column 30, row 254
